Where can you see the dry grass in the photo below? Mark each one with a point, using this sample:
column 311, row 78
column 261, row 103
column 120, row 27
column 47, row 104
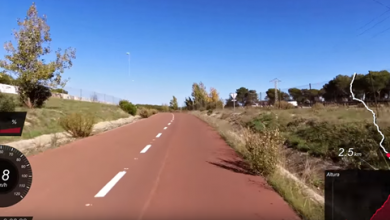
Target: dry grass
column 78, row 125
column 146, row 113
column 296, row 197
column 45, row 120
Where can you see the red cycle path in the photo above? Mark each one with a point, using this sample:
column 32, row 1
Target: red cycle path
column 185, row 174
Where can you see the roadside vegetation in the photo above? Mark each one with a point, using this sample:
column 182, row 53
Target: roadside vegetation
column 37, row 79
column 292, row 147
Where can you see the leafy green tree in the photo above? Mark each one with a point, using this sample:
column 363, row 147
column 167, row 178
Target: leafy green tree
column 26, row 61
column 173, row 103
column 296, row 94
column 376, row 82
column 246, row 97
column 242, row 94
column 337, row 89
column 199, row 96
column 251, row 98
column 189, row 103
column 6, row 79
column 281, row 95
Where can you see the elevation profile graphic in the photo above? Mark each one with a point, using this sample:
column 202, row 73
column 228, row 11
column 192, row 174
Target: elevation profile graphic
column 12, row 123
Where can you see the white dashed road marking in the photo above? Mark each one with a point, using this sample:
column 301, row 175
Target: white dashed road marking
column 169, row 123
column 159, row 134
column 110, row 185
column 165, row 128
column 145, row 149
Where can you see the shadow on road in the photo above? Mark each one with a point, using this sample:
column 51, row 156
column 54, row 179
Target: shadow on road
column 237, row 166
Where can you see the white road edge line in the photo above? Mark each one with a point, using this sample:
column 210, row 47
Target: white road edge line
column 145, row 149
column 158, row 135
column 110, row 184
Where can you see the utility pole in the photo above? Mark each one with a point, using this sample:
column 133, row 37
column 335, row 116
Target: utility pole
column 310, row 96
column 276, row 81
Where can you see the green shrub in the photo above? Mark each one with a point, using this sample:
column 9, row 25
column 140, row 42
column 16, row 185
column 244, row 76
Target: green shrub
column 78, row 124
column 7, row 103
column 128, row 107
column 122, row 103
column 144, row 113
column 209, row 112
column 262, row 122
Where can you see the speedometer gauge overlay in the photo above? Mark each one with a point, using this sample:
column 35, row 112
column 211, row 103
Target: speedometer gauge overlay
column 15, row 176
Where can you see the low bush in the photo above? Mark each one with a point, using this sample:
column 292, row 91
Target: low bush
column 209, row 112
column 144, row 113
column 262, row 122
column 153, row 111
column 318, row 106
column 78, row 124
column 263, row 150
column 285, row 105
column 128, row 107
column 7, row 103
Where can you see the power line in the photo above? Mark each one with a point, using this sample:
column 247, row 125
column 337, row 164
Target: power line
column 374, row 25
column 387, row 29
column 378, row 2
column 387, row 11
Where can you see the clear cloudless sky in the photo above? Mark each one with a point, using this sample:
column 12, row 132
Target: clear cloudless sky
column 225, row 44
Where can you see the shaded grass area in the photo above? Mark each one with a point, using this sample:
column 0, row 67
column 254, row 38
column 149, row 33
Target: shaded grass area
column 261, row 155
column 46, row 120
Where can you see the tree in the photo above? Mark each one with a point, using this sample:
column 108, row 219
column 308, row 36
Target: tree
column 251, row 98
column 337, row 89
column 214, row 100
column 296, row 94
column 376, row 82
column 173, row 103
column 242, row 94
column 189, row 103
column 6, row 79
column 199, row 95
column 246, row 97
column 281, row 95
column 26, row 61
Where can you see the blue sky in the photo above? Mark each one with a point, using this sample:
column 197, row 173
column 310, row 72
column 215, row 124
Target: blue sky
column 223, row 43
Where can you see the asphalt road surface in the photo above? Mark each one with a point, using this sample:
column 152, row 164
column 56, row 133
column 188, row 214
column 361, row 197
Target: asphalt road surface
column 170, row 166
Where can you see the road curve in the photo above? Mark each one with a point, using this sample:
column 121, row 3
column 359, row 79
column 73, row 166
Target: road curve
column 170, row 166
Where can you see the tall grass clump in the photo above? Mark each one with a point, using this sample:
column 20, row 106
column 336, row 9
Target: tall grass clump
column 78, row 125
column 263, row 150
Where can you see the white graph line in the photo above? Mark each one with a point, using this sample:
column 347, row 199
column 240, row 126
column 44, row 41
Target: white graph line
column 373, row 115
